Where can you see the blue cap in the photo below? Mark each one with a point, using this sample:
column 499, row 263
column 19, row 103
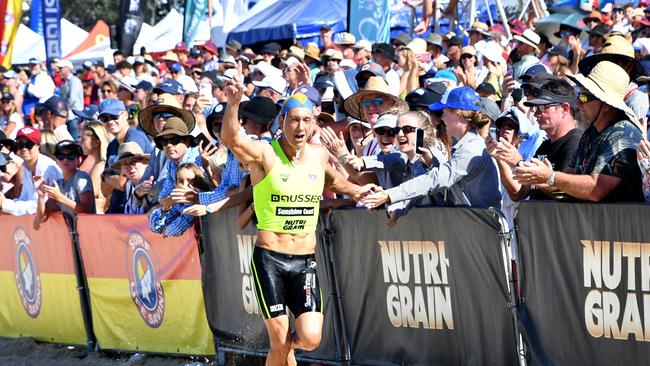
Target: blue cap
column 111, row 106
column 88, row 113
column 170, row 86
column 144, row 85
column 463, row 98
column 312, row 93
column 323, row 81
column 446, row 74
column 176, row 67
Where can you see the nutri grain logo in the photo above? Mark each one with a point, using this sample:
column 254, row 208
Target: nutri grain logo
column 245, row 246
column 146, row 290
column 28, row 280
column 418, row 293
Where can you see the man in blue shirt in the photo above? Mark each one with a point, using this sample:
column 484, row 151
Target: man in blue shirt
column 115, row 117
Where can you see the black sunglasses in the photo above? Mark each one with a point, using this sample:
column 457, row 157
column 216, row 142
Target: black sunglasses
column 386, row 130
column 405, row 129
column 163, row 141
column 24, row 145
column 105, row 118
column 68, row 156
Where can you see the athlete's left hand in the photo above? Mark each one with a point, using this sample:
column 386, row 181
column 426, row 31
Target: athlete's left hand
column 376, row 198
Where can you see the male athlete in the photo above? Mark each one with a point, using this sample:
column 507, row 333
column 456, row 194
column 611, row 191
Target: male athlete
column 288, row 177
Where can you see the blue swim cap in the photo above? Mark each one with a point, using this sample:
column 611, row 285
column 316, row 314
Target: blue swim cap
column 297, row 100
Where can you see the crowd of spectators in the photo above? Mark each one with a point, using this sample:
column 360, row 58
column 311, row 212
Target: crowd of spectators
column 472, row 119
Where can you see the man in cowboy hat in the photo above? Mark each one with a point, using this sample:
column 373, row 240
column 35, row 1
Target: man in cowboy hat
column 370, row 102
column 604, row 167
column 133, row 162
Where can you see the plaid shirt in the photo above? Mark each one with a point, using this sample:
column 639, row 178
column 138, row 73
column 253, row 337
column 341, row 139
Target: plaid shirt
column 230, row 177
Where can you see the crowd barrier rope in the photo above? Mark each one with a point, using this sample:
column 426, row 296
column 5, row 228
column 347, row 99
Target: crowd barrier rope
column 439, row 288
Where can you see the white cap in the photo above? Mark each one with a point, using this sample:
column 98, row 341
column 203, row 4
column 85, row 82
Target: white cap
column 386, row 120
column 128, row 82
column 65, row 63
column 9, row 74
column 189, row 85
column 267, row 69
column 228, row 75
column 230, row 59
column 274, row 82
column 347, row 64
column 291, row 61
column 492, row 51
column 363, row 43
column 352, row 121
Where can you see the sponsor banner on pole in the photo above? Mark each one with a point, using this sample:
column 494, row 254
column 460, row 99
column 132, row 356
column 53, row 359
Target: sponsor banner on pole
column 51, row 29
column 36, row 17
column 12, row 15
column 430, row 291
column 39, row 286
column 145, row 290
column 129, row 25
column 585, row 283
column 195, row 11
column 229, row 289
column 370, row 20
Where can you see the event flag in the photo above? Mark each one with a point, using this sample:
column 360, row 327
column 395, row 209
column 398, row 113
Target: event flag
column 36, row 17
column 194, row 12
column 129, row 24
column 370, row 20
column 52, row 29
column 12, row 12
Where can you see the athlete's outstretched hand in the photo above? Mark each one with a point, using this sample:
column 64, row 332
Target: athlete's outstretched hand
column 376, row 198
column 234, row 89
column 360, row 194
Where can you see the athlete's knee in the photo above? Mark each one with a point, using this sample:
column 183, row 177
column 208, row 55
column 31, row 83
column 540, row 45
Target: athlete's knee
column 309, row 339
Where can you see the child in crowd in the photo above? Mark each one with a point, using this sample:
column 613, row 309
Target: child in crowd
column 73, row 194
column 168, row 217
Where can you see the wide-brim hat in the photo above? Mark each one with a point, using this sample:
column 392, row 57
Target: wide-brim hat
column 175, row 127
column 165, row 103
column 375, row 85
column 617, row 49
column 608, row 82
column 128, row 151
column 261, row 110
column 325, row 118
column 530, row 38
column 479, row 27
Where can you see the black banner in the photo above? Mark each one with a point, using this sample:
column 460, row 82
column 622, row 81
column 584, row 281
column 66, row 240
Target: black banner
column 230, row 302
column 431, row 291
column 129, row 24
column 585, row 283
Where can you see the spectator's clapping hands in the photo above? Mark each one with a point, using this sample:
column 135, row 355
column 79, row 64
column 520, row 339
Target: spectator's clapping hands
column 53, row 192
column 507, row 152
column 534, row 172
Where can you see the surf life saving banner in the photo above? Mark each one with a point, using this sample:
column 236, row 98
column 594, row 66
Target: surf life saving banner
column 145, row 290
column 229, row 289
column 51, row 10
column 585, row 283
column 370, row 19
column 38, row 281
column 430, row 291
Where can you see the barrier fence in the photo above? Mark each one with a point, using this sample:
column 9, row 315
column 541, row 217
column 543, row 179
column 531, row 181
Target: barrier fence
column 435, row 290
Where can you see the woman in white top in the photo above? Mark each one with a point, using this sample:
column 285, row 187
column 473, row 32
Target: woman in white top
column 10, row 120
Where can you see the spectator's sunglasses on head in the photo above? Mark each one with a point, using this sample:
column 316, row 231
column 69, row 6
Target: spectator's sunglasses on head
column 105, row 118
column 174, row 140
column 585, row 97
column 164, row 115
column 24, row 145
column 68, row 156
column 378, row 101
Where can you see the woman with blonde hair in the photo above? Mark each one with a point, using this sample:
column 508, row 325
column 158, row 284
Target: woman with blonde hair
column 94, row 142
column 469, row 177
column 48, row 143
column 10, row 119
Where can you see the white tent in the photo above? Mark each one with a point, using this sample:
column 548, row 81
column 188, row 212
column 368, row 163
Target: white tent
column 71, row 36
column 28, row 43
column 161, row 37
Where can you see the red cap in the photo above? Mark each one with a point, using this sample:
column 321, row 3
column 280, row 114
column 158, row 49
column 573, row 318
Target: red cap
column 30, row 133
column 181, row 47
column 210, row 47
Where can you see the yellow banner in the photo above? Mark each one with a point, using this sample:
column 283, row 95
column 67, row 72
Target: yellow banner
column 14, row 13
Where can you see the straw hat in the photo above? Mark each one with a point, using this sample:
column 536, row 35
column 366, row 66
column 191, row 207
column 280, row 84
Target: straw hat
column 128, row 151
column 169, row 56
column 480, row 27
column 530, row 38
column 312, row 51
column 346, row 39
column 375, row 85
column 297, row 52
column 418, row 46
column 165, row 103
column 617, row 49
column 608, row 82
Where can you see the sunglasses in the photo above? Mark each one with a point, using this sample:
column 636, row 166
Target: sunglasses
column 105, row 91
column 68, row 156
column 565, row 33
column 105, row 118
column 544, row 107
column 197, row 72
column 386, row 130
column 164, row 115
column 379, row 101
column 586, row 97
column 405, row 129
column 174, row 140
column 24, row 145
column 467, row 55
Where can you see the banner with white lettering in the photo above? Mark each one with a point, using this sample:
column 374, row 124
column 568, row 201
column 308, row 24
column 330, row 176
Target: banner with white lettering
column 585, row 283
column 229, row 289
column 430, row 291
column 52, row 29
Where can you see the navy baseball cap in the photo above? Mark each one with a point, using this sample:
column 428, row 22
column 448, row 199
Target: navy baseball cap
column 422, row 97
column 56, row 106
column 463, row 98
column 144, row 85
column 111, row 106
column 312, row 93
column 169, row 86
column 89, row 113
column 324, row 81
column 370, row 69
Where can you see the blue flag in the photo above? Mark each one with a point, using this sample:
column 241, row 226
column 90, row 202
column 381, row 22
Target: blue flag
column 195, row 10
column 370, row 20
column 36, row 17
column 52, row 29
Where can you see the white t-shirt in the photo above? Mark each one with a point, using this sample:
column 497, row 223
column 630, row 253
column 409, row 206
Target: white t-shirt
column 392, row 79
column 15, row 118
